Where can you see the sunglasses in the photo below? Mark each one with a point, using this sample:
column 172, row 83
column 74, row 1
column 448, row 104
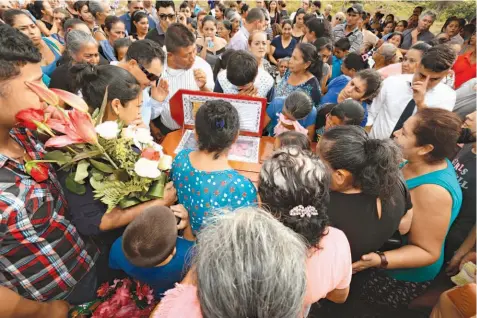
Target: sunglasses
column 150, row 76
column 163, row 16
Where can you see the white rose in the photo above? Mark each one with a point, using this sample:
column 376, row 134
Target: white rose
column 128, row 132
column 108, row 130
column 147, row 168
column 142, row 136
column 165, row 163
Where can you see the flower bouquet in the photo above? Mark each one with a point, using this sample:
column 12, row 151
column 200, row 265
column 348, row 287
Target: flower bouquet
column 123, row 165
column 123, row 299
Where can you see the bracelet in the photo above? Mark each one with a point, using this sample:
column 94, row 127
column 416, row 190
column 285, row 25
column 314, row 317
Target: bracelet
column 384, row 261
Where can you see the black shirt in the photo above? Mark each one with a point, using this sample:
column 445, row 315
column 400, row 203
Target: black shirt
column 464, row 166
column 357, row 216
column 156, row 36
column 61, row 79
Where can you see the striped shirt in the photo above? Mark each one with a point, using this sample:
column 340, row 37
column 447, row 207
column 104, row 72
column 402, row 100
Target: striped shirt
column 180, row 79
column 42, row 255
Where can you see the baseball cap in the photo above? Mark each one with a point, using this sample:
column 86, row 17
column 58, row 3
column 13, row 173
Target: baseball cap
column 356, row 8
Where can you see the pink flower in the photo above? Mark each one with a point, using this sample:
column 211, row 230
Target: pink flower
column 103, row 290
column 44, row 93
column 127, row 311
column 79, row 129
column 115, row 282
column 105, row 310
column 71, row 99
column 144, row 291
column 122, row 296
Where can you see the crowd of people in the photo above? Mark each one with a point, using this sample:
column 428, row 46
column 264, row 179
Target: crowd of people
column 365, row 208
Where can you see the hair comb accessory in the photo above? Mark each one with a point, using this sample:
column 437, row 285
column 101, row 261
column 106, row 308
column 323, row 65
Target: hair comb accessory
column 301, row 211
column 220, row 123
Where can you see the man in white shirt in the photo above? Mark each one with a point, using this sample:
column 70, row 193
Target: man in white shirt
column 183, row 70
column 403, row 95
column 255, row 21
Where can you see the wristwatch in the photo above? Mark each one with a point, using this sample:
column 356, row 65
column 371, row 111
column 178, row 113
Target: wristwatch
column 384, row 261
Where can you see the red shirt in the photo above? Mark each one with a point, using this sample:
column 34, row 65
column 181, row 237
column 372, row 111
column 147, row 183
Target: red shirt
column 464, row 69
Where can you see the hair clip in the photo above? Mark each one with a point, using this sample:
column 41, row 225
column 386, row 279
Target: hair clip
column 364, row 57
column 220, row 123
column 301, row 211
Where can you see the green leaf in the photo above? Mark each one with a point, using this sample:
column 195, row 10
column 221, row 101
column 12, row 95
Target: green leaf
column 97, row 185
column 81, row 171
column 128, row 202
column 59, row 156
column 121, row 175
column 87, row 154
column 99, row 120
column 97, row 175
column 156, row 190
column 101, row 166
column 73, row 186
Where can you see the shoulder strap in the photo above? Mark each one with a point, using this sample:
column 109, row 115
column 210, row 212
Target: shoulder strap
column 404, row 116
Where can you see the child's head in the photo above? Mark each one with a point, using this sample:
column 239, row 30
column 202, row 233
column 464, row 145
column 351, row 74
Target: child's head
column 150, row 239
column 292, row 138
column 283, row 65
column 242, row 68
column 342, row 47
column 121, row 47
column 352, row 64
column 297, row 105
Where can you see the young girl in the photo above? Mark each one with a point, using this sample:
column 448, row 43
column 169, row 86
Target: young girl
column 292, row 139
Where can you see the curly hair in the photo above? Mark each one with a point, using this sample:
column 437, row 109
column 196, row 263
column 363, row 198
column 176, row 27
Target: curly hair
column 294, row 177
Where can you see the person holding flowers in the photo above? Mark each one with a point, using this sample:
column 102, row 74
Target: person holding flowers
column 203, row 178
column 43, row 255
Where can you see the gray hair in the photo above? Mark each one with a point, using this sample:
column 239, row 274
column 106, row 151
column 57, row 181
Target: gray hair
column 298, row 104
column 389, row 52
column 95, row 7
column 248, row 264
column 76, row 40
column 428, row 13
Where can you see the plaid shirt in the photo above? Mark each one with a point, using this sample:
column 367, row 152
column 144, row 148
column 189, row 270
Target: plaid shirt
column 355, row 37
column 42, row 255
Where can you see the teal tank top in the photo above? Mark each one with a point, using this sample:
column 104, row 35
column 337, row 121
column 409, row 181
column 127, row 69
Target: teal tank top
column 447, row 179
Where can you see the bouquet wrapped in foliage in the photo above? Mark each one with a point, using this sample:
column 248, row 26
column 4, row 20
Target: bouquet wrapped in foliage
column 123, row 299
column 123, row 165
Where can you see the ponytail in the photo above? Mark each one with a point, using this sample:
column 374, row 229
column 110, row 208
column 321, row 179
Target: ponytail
column 310, row 54
column 373, row 163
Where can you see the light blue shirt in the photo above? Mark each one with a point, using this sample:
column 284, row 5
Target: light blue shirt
column 148, row 104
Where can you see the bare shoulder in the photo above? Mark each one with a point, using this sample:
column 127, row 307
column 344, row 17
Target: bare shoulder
column 429, row 196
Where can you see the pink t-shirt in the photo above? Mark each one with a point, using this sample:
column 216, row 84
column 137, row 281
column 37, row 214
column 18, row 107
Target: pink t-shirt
column 390, row 70
column 179, row 302
column 329, row 267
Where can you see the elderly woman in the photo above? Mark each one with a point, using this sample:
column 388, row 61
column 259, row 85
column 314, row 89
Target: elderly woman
column 239, row 269
column 427, row 139
column 81, row 48
column 99, row 10
column 203, row 177
column 300, row 204
column 385, row 55
column 409, row 64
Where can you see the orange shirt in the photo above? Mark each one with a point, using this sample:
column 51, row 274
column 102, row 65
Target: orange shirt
column 464, row 69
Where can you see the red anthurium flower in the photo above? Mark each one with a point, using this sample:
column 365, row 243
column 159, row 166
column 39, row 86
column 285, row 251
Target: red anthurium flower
column 151, row 154
column 38, row 171
column 27, row 117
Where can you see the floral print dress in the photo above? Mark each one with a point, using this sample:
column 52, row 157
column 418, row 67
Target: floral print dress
column 205, row 194
column 310, row 87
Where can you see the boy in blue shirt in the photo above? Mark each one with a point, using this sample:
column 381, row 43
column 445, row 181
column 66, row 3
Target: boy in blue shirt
column 342, row 47
column 150, row 250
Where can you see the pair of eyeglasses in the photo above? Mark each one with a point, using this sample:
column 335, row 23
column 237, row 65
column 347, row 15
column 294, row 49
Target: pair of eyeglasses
column 150, row 76
column 163, row 16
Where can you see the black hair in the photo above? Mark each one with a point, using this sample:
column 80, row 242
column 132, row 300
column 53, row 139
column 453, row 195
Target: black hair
column 151, row 237
column 404, row 22
column 178, row 36
column 449, row 20
column 70, row 23
column 222, row 62
column 254, row 15
column 308, row 17
column 349, row 111
column 310, row 54
column 439, row 58
column 242, row 68
column 298, row 104
column 355, row 61
column 396, row 33
column 183, row 5
column 317, row 4
column 221, row 7
column 217, row 125
column 323, row 43
column 9, row 16
column 298, row 12
column 321, row 27
column 209, row 18
column 165, row 4
column 469, row 30
column 80, row 4
column 292, row 178
column 466, row 136
column 144, row 52
column 137, row 16
column 390, row 15
column 16, row 50
column 373, row 163
column 286, row 21
column 120, row 43
column 373, row 83
column 94, row 79
column 243, row 9
column 110, row 21
column 227, row 24
column 343, row 44
column 293, row 138
column 35, row 9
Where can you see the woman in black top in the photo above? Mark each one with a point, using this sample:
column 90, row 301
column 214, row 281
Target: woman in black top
column 368, row 197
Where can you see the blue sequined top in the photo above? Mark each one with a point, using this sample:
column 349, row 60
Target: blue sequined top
column 310, row 87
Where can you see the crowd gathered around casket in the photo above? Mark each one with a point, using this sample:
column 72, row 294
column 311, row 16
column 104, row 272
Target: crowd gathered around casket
column 365, row 206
